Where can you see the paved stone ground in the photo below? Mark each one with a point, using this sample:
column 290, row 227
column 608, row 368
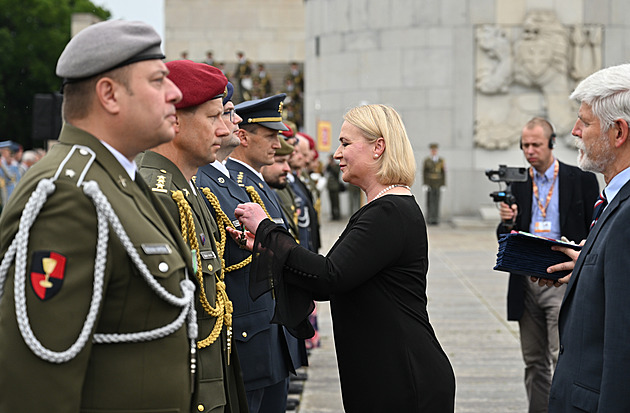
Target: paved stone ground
column 467, row 310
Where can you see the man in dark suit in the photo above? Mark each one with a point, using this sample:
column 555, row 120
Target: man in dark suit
column 592, row 371
column 555, row 201
column 103, row 277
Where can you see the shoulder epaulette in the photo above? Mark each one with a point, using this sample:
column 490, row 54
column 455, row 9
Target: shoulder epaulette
column 76, row 164
column 159, row 180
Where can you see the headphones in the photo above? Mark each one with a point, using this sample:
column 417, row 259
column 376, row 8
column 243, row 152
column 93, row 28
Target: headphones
column 540, row 121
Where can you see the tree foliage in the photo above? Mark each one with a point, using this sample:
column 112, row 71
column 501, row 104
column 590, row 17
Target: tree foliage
column 33, row 34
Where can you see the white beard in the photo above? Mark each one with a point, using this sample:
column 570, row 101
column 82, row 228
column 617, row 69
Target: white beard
column 597, row 158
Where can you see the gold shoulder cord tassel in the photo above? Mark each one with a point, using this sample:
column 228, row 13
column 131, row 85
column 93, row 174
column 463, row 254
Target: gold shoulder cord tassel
column 222, row 222
column 223, row 310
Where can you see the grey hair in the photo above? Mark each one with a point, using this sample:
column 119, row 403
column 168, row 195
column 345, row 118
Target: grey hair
column 607, row 92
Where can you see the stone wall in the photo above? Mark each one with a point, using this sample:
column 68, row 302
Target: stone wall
column 426, row 59
column 436, row 61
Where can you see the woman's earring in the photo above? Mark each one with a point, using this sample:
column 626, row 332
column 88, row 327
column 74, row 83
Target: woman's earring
column 375, row 155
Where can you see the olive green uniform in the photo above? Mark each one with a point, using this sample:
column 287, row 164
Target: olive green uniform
column 287, row 203
column 434, row 177
column 220, row 387
column 151, row 375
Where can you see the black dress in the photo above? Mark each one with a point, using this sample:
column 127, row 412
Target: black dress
column 375, row 277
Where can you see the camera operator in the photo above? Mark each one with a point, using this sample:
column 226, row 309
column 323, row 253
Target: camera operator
column 556, row 200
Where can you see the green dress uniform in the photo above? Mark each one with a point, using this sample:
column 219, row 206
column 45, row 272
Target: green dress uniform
column 434, row 177
column 287, row 203
column 60, row 290
column 220, row 387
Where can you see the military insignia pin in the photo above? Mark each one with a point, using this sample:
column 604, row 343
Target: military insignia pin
column 47, row 272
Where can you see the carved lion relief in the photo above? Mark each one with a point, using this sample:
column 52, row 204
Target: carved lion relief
column 529, row 71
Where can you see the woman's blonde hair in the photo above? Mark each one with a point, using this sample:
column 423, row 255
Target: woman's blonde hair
column 397, row 164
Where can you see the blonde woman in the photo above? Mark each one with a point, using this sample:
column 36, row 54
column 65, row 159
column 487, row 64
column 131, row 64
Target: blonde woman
column 374, row 276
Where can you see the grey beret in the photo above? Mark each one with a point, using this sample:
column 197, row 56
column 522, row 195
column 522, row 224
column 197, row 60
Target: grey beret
column 108, row 45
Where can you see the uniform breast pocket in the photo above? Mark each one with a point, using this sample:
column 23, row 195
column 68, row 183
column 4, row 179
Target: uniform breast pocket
column 210, row 268
column 209, row 261
column 161, row 260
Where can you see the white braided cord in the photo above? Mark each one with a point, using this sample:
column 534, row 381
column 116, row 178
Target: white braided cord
column 105, row 215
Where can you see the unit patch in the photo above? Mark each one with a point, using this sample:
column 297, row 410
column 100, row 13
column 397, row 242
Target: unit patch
column 47, row 272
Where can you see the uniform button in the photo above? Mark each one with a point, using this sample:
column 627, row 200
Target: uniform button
column 83, row 152
column 561, row 349
column 210, row 267
column 163, row 267
column 244, row 334
column 201, row 407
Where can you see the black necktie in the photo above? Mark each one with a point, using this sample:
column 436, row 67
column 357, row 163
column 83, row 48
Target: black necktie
column 599, row 208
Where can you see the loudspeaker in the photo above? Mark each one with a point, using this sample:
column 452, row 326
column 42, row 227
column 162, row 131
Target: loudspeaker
column 47, row 116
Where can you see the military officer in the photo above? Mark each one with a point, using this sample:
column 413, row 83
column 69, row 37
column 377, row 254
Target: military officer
column 308, row 223
column 266, row 381
column 276, row 176
column 222, row 195
column 97, row 301
column 169, row 169
column 434, row 178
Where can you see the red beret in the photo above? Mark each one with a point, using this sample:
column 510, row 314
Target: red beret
column 311, row 141
column 287, row 133
column 198, row 82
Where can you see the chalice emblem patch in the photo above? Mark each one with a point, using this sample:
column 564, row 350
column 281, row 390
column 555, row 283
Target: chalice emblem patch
column 47, row 273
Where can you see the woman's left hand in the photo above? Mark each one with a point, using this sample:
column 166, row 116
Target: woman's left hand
column 244, row 239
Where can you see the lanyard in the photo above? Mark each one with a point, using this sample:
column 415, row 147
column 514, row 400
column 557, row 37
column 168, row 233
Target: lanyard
column 543, row 209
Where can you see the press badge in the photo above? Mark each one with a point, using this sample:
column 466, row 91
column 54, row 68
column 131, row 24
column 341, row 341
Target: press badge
column 542, row 226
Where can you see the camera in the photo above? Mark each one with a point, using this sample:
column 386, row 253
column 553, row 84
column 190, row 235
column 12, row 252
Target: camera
column 507, row 174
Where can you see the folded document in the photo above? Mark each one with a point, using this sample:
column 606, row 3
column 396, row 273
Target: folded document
column 526, row 254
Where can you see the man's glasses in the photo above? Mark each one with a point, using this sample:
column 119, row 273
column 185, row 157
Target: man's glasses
column 229, row 115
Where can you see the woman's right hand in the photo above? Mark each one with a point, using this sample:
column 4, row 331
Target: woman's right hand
column 250, row 215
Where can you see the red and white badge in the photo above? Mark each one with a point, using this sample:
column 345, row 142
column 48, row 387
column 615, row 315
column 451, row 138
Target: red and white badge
column 542, row 226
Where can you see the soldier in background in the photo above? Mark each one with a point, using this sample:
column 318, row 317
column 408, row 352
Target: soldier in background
column 279, row 184
column 262, row 83
column 294, row 89
column 434, row 175
column 276, row 177
column 242, row 77
column 209, row 58
column 9, row 169
column 334, row 186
